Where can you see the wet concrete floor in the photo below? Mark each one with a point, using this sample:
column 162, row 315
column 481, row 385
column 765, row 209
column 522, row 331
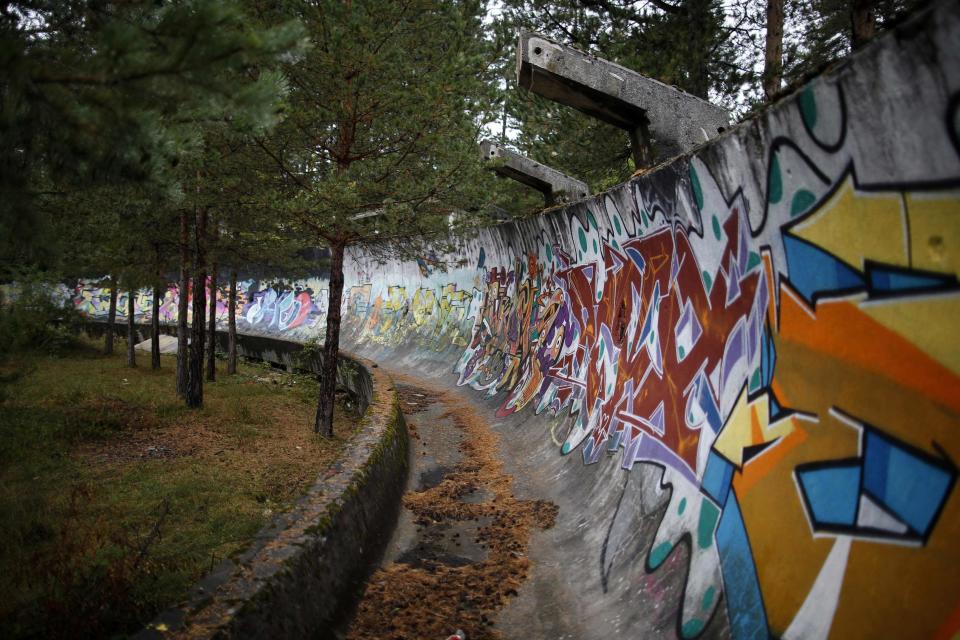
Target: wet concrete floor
column 435, row 454
column 459, row 552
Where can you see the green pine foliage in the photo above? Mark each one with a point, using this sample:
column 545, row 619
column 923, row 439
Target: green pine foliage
column 112, row 94
column 380, row 130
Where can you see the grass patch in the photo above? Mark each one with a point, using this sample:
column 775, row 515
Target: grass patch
column 115, row 498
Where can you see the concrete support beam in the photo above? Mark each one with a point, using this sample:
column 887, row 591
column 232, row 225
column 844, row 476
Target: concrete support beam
column 662, row 121
column 555, row 186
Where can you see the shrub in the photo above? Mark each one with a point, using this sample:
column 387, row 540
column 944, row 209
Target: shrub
column 37, row 317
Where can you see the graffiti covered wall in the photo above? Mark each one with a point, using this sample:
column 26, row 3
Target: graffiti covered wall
column 770, row 321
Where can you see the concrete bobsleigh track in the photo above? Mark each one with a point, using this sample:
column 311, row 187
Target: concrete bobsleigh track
column 736, row 376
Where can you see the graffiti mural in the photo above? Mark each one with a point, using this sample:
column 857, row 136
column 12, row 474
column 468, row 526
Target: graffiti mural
column 784, row 352
column 270, row 307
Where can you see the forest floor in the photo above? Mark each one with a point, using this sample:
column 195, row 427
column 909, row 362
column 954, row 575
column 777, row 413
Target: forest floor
column 115, row 498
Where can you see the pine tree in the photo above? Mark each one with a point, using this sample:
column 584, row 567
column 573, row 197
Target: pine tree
column 117, row 93
column 380, row 135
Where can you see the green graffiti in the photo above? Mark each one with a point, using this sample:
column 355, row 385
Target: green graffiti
column 752, row 260
column 591, row 221
column 802, row 200
column 707, row 280
column 616, row 223
column 697, row 190
column 583, row 240
column 775, row 182
column 708, row 597
column 658, row 555
column 692, row 627
column 709, row 514
column 716, row 228
column 683, row 501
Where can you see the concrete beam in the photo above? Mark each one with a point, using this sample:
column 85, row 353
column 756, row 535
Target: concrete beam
column 554, row 185
column 664, row 119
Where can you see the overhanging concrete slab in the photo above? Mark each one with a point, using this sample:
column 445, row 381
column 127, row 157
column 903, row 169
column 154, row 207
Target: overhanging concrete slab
column 555, row 186
column 672, row 120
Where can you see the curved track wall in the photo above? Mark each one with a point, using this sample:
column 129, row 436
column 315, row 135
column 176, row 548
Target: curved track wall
column 767, row 327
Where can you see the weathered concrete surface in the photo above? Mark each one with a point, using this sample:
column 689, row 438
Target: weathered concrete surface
column 435, row 449
column 555, row 186
column 674, row 120
column 736, row 376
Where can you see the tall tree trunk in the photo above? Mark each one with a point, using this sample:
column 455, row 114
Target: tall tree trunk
column 699, row 18
column 155, row 317
column 212, row 335
column 183, row 301
column 232, row 325
column 111, row 317
column 864, row 22
column 195, row 370
column 331, row 345
column 773, row 61
column 131, row 330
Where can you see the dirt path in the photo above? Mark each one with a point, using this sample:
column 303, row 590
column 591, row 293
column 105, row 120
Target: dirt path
column 460, row 549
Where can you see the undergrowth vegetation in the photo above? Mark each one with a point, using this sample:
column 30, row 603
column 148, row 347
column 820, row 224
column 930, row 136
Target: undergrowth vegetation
column 34, row 317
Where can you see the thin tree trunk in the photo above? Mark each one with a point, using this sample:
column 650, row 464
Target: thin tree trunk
column 773, row 61
column 232, row 325
column 331, row 345
column 864, row 22
column 212, row 336
column 195, row 370
column 155, row 328
column 111, row 317
column 131, row 330
column 183, row 301
column 155, row 318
